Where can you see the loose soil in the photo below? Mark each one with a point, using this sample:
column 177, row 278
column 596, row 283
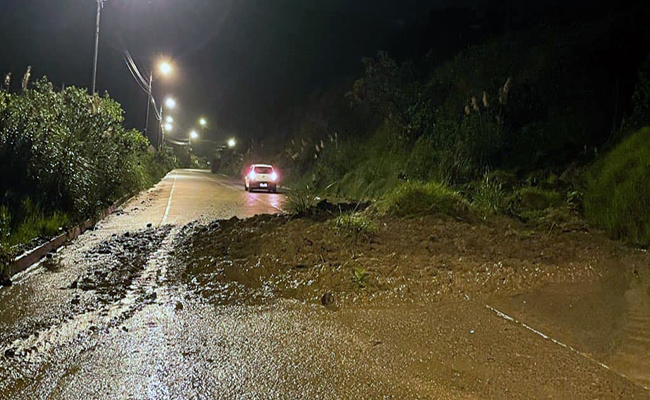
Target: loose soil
column 420, row 259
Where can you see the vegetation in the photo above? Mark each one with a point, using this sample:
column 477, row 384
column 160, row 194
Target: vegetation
column 357, row 225
column 416, row 199
column 418, row 135
column 618, row 197
column 64, row 155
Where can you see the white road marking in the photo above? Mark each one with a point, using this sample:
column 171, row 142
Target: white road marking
column 169, row 201
column 571, row 348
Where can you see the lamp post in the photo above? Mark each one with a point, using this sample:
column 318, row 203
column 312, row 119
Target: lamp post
column 100, row 4
column 170, row 103
column 203, row 122
column 193, row 136
column 165, row 68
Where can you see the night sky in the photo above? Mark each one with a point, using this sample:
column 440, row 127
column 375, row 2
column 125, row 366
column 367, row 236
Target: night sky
column 242, row 62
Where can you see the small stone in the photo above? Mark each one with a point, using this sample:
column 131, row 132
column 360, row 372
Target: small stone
column 149, row 225
column 9, row 353
column 74, row 301
column 127, row 234
column 178, row 306
column 125, row 329
column 5, row 281
column 327, row 299
column 49, row 255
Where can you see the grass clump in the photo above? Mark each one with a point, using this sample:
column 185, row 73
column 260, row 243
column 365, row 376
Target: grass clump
column 618, row 193
column 299, row 200
column 413, row 199
column 490, row 198
column 356, row 225
column 537, row 199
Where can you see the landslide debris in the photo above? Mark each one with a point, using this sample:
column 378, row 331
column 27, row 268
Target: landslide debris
column 266, row 258
column 116, row 262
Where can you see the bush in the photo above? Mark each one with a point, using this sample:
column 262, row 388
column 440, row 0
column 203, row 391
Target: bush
column 70, row 155
column 413, row 199
column 618, row 194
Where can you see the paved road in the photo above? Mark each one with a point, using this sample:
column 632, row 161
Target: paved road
column 106, row 320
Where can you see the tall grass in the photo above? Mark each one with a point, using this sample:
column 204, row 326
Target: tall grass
column 618, row 195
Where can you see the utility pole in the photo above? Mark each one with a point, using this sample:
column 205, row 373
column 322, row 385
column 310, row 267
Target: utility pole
column 150, row 94
column 100, row 4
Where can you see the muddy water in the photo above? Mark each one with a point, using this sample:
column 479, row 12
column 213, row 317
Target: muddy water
column 607, row 320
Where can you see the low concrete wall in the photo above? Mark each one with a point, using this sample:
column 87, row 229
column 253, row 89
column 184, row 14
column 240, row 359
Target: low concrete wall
column 31, row 257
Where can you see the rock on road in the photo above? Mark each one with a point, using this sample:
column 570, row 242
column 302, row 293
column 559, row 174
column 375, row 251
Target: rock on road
column 106, row 319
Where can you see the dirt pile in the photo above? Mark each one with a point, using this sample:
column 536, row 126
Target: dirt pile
column 269, row 257
column 115, row 263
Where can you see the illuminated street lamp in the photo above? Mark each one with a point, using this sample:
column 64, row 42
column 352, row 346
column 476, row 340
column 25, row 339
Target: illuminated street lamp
column 169, row 119
column 165, row 69
column 168, row 127
column 232, row 142
column 170, row 103
column 203, row 122
column 194, row 135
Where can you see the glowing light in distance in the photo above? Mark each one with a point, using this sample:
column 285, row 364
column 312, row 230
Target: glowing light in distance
column 194, row 135
column 170, row 103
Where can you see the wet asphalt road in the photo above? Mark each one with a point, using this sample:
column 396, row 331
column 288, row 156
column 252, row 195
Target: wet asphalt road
column 65, row 334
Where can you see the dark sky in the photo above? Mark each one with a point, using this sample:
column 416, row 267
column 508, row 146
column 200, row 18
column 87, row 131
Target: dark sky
column 236, row 60
column 240, row 61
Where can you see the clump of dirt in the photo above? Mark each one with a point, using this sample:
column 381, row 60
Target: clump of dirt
column 269, row 257
column 116, row 262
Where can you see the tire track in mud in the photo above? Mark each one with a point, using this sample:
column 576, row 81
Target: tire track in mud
column 125, row 275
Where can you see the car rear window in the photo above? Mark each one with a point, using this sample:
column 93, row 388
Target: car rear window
column 264, row 170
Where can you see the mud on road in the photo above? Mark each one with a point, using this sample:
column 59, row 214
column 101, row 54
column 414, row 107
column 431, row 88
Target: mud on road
column 298, row 307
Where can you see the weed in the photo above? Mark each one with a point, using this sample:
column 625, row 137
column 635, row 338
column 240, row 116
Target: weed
column 360, row 276
column 356, row 225
column 490, row 198
column 299, row 200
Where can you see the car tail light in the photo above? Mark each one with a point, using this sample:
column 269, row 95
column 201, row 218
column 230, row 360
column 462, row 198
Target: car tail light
column 252, row 175
column 274, row 176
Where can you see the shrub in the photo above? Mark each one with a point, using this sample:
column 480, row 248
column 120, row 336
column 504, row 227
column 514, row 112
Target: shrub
column 69, row 153
column 618, row 194
column 412, row 199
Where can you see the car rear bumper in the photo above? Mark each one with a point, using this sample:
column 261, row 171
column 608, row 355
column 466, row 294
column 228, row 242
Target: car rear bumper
column 262, row 185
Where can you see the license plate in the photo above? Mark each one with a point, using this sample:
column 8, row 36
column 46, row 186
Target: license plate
column 263, row 184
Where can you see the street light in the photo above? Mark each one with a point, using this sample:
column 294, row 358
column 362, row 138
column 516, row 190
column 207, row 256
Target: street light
column 169, row 103
column 194, row 135
column 203, row 122
column 232, row 142
column 165, row 68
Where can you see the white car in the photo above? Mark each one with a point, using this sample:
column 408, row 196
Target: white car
column 261, row 176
